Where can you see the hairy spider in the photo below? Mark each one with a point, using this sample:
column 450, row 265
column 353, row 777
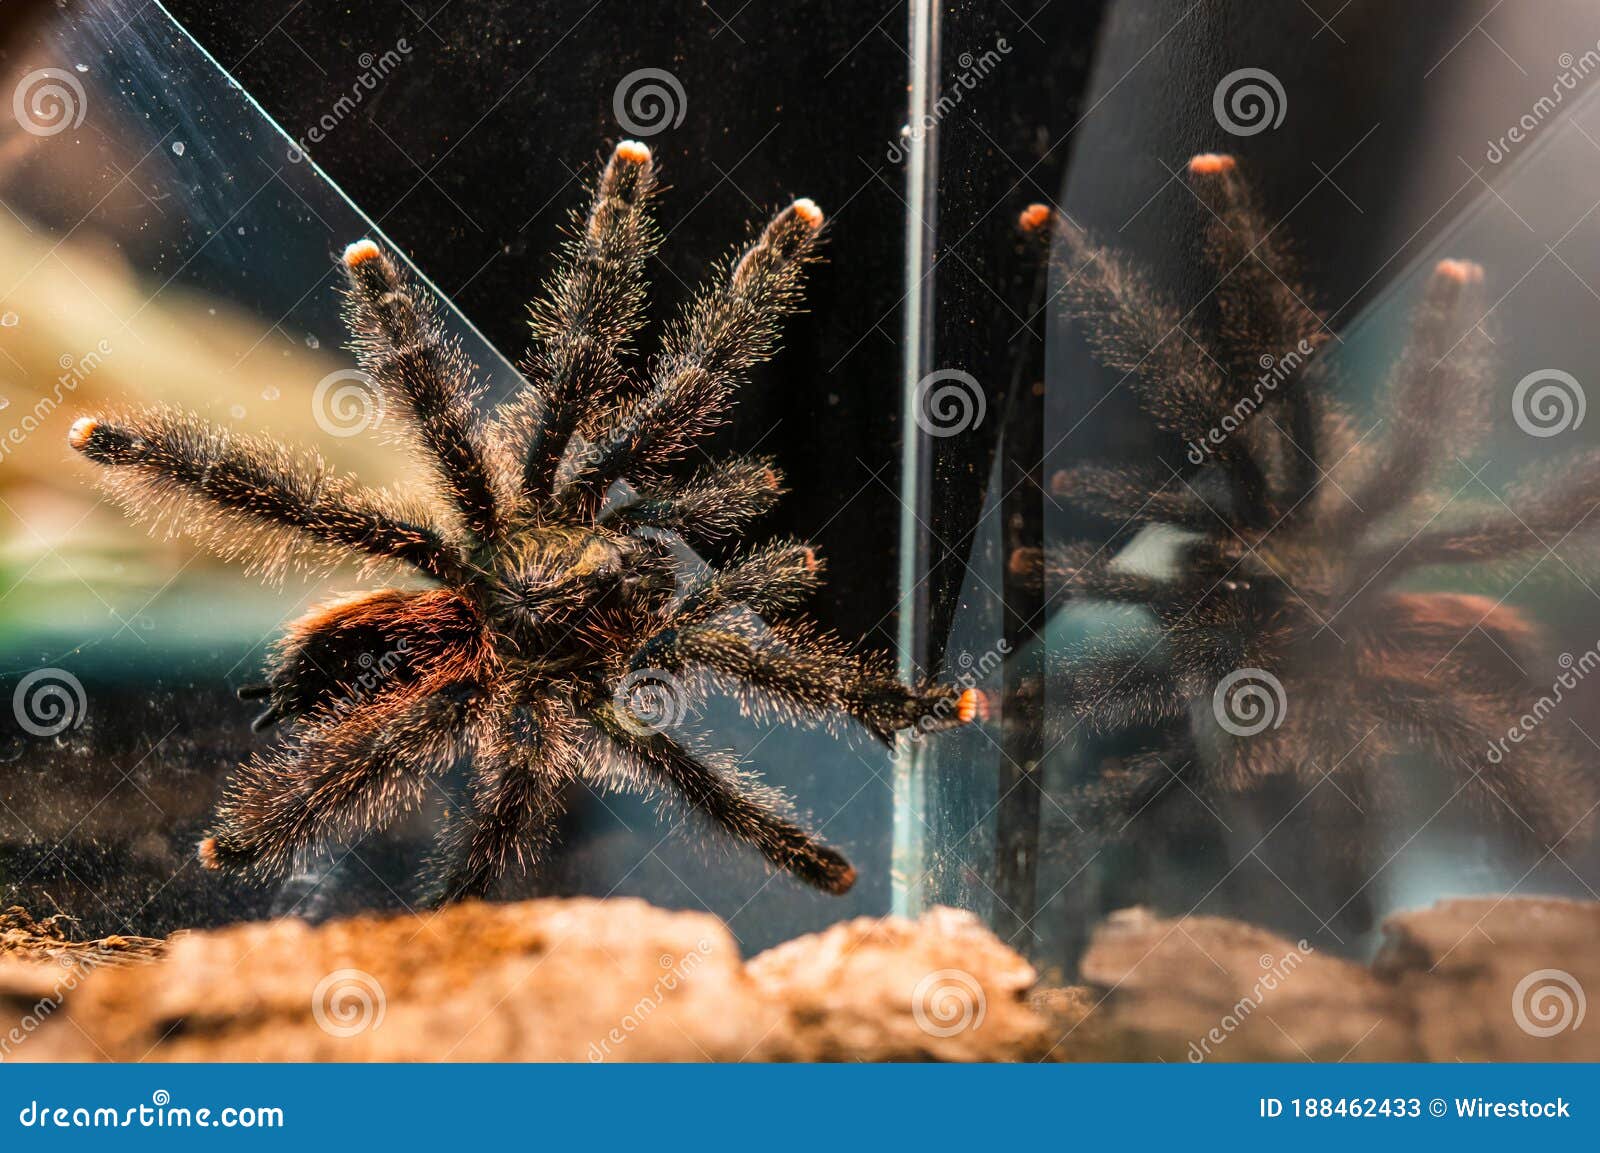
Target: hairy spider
column 1287, row 648
column 559, row 606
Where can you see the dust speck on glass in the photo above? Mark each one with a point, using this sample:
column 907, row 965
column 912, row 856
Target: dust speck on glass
column 1198, row 417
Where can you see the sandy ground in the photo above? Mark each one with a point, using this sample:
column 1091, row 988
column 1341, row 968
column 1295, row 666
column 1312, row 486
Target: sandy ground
column 589, row 980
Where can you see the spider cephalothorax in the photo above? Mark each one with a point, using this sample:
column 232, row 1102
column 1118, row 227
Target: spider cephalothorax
column 554, row 557
column 1286, row 547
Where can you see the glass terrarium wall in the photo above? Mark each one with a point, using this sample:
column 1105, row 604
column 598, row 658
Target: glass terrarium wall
column 171, row 239
column 1356, row 679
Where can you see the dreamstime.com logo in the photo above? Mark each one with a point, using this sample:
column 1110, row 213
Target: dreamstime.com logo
column 1248, row 101
column 650, row 701
column 676, row 972
column 48, row 101
column 1548, row 402
column 1249, row 701
column 347, row 403
column 348, row 1002
column 1547, row 1002
column 947, row 1002
column 648, row 101
column 1275, row 971
column 949, row 402
column 48, row 702
column 373, row 70
column 974, row 68
column 74, row 371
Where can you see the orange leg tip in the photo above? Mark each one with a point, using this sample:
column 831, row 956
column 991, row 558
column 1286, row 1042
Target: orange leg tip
column 1061, row 483
column 771, row 480
column 360, row 252
column 971, row 706
column 845, row 881
column 1211, row 164
column 1460, row 271
column 206, row 851
column 633, row 152
column 809, row 556
column 1024, row 561
column 80, row 432
column 806, row 209
column 1034, row 217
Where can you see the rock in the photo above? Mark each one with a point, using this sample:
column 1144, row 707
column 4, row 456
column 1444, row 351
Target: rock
column 1206, row 988
column 557, row 980
column 1484, row 979
column 619, row 980
column 942, row 988
column 579, row 980
column 1497, row 980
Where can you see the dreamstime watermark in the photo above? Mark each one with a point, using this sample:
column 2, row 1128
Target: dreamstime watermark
column 1274, row 371
column 650, row 701
column 77, row 968
column 1249, row 701
column 374, row 675
column 1548, row 402
column 1547, row 1002
column 48, row 702
column 348, row 1002
column 1248, row 101
column 678, row 971
column 1278, row 970
column 973, row 69
column 947, row 1002
column 1576, row 671
column 48, row 101
column 949, row 401
column 373, row 70
column 1573, row 69
column 648, row 101
column 347, row 403
column 75, row 370
column 974, row 669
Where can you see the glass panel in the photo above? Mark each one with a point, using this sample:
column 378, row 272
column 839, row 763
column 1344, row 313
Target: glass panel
column 1362, row 769
column 166, row 241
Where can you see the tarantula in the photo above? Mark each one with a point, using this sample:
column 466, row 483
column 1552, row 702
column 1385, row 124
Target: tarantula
column 558, row 592
column 1293, row 538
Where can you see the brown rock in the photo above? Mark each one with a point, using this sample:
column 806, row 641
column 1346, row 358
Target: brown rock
column 1206, row 988
column 577, row 980
column 942, row 988
column 1497, row 980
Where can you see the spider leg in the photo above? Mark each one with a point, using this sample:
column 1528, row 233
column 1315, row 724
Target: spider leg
column 1131, row 496
column 722, row 334
column 1109, row 689
column 520, row 769
column 345, row 774
column 1539, row 513
column 713, row 786
column 716, row 502
column 797, row 675
column 250, row 498
column 1082, row 570
column 772, row 579
column 1532, row 781
column 1438, row 396
column 1267, row 328
column 589, row 311
column 1135, row 332
column 1263, row 310
column 420, row 369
